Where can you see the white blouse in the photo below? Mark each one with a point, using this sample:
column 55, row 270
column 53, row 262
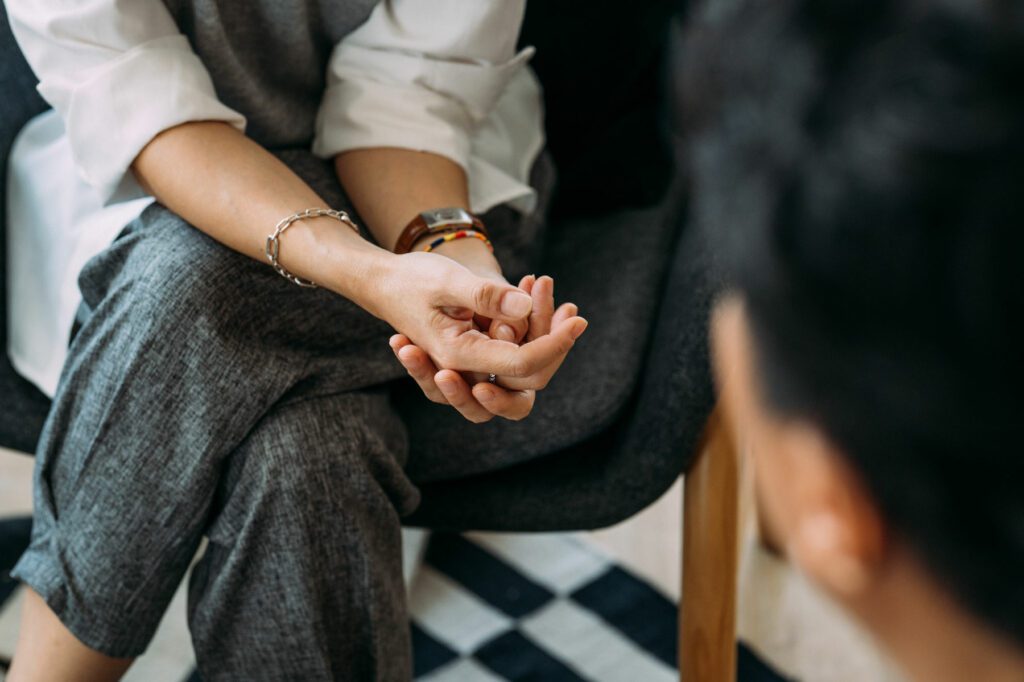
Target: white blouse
column 433, row 75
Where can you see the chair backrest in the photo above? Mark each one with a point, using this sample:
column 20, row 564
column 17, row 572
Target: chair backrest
column 18, row 103
column 603, row 64
column 24, row 407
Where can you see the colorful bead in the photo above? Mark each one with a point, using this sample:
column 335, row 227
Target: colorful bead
column 461, row 234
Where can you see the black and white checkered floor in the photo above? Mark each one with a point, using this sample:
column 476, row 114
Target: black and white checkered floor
column 487, row 607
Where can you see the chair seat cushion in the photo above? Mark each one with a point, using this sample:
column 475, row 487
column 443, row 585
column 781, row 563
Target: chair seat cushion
column 620, row 469
column 612, row 267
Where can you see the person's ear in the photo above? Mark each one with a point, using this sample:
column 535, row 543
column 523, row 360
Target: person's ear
column 814, row 503
column 837, row 535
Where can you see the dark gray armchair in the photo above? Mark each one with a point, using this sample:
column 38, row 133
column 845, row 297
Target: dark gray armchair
column 613, row 158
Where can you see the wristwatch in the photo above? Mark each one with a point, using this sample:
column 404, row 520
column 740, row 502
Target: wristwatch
column 435, row 222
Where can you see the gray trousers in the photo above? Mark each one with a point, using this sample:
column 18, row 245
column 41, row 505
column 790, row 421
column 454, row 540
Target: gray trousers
column 207, row 396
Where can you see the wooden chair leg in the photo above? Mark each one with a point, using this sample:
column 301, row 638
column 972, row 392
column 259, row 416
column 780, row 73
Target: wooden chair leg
column 707, row 617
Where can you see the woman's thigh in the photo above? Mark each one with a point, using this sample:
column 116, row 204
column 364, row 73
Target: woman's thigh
column 186, row 348
column 187, row 345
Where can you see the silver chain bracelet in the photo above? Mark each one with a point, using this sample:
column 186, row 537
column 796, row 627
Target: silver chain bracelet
column 273, row 248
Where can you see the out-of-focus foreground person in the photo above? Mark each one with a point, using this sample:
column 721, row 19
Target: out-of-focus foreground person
column 862, row 165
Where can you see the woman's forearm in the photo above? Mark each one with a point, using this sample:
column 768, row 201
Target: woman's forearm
column 232, row 189
column 235, row 191
column 390, row 186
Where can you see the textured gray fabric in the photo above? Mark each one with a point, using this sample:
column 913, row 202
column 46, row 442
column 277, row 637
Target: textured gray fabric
column 204, row 394
column 302, row 577
column 268, row 60
column 196, row 357
column 613, row 268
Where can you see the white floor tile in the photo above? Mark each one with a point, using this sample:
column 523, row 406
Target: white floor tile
column 452, row 614
column 581, row 640
column 543, row 558
column 463, row 670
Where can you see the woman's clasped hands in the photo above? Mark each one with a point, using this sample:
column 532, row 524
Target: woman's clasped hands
column 481, row 325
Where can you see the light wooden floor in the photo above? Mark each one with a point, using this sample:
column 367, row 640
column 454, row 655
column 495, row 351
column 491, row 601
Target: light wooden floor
column 15, row 483
column 650, row 543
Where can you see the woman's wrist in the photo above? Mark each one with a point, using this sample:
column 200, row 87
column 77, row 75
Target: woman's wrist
column 470, row 253
column 341, row 261
column 366, row 274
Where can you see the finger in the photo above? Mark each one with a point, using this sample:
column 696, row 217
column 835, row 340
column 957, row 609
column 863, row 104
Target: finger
column 419, row 366
column 564, row 312
column 543, row 295
column 485, row 297
column 459, row 396
column 539, row 380
column 503, row 331
column 517, row 331
column 473, row 351
column 514, row 405
column 474, row 378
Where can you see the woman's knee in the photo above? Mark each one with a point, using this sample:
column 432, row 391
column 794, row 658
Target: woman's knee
column 170, row 274
column 188, row 278
column 323, row 455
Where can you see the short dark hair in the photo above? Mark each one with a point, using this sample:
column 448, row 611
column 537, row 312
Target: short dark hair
column 860, row 167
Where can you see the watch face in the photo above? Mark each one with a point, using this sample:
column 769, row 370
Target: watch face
column 447, row 216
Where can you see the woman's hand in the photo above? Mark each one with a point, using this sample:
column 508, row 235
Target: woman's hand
column 475, row 398
column 434, row 301
column 479, row 260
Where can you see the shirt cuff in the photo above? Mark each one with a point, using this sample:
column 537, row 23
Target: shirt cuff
column 378, row 98
column 119, row 107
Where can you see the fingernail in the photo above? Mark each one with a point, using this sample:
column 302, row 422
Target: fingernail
column 516, row 304
column 486, row 395
column 579, row 329
column 505, row 332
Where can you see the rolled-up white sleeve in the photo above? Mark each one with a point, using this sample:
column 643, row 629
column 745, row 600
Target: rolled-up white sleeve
column 422, row 75
column 118, row 74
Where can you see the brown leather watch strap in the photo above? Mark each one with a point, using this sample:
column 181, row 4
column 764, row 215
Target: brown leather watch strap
column 418, row 228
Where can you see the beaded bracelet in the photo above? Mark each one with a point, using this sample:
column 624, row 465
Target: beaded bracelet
column 273, row 247
column 461, row 234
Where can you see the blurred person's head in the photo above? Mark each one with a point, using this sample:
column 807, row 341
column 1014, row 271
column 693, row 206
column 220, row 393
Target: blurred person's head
column 860, row 164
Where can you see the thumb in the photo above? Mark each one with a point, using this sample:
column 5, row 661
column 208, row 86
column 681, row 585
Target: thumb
column 488, row 298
